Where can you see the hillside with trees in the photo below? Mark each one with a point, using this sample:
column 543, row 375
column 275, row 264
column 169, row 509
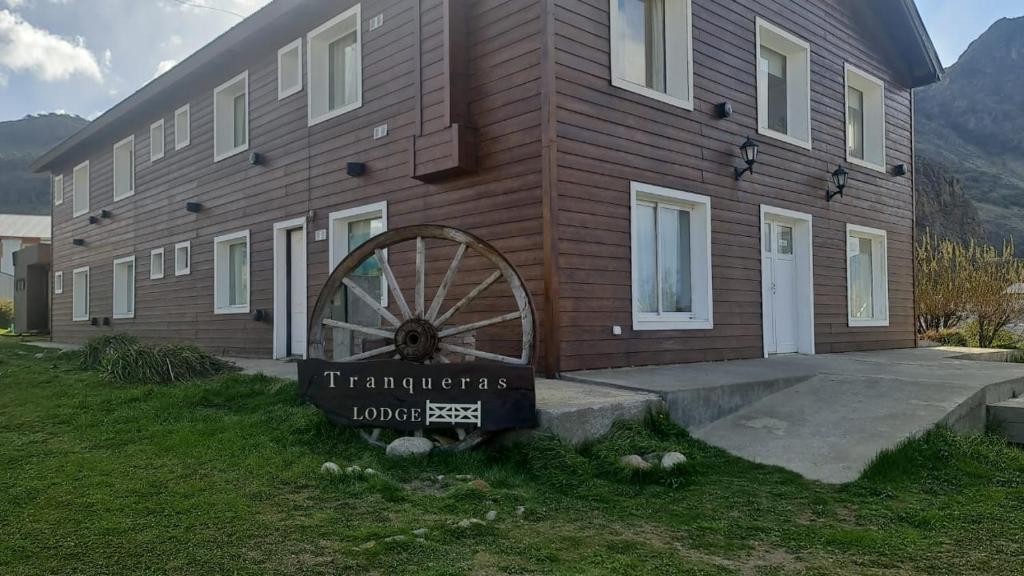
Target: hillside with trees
column 21, row 142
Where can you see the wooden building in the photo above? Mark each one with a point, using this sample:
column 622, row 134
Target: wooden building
column 595, row 143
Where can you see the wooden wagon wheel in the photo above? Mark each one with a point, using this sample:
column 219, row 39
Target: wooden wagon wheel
column 423, row 331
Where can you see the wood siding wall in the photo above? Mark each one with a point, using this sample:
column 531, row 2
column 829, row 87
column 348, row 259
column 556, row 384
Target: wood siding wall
column 304, row 171
column 608, row 137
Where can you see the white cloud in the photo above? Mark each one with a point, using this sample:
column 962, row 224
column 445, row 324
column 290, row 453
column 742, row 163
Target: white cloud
column 25, row 48
column 164, row 66
column 3, row 80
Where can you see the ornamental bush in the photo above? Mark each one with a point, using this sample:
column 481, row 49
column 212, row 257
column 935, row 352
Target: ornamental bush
column 121, row 358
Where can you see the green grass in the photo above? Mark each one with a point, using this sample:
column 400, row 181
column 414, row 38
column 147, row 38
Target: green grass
column 222, row 476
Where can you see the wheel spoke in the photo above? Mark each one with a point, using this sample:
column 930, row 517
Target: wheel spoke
column 373, row 302
column 456, row 330
column 481, row 354
column 435, row 306
column 369, row 354
column 358, row 328
column 421, row 275
column 444, row 359
column 403, row 306
column 469, row 298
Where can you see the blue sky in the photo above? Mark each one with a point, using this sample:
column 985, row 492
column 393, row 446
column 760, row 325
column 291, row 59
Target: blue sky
column 83, row 56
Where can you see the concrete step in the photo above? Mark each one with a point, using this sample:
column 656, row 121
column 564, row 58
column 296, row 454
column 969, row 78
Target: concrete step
column 1009, row 415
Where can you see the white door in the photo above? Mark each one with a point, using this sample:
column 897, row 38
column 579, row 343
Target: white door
column 296, row 292
column 779, row 273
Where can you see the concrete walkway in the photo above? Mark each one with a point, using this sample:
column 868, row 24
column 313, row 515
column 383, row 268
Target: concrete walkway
column 825, row 417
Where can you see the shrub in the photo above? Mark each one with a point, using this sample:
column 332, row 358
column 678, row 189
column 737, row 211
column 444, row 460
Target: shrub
column 93, row 352
column 123, row 359
column 6, row 314
column 946, row 337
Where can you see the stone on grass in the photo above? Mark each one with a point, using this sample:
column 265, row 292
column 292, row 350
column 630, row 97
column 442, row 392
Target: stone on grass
column 330, row 468
column 634, row 462
column 440, row 478
column 368, row 545
column 370, row 472
column 420, row 532
column 491, row 516
column 398, row 538
column 353, row 470
column 469, row 522
column 463, row 477
column 409, row 446
column 672, row 459
column 520, row 510
column 480, row 485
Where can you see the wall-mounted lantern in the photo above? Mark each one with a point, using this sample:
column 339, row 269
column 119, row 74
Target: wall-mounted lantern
column 839, row 178
column 899, row 170
column 105, row 214
column 749, row 152
column 256, row 159
column 78, row 242
column 193, row 207
column 723, row 110
column 94, row 220
column 355, row 169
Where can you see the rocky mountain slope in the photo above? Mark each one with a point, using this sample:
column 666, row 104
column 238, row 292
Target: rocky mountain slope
column 21, row 141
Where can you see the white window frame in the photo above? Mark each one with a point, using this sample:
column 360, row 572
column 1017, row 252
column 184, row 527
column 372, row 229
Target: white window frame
column 58, row 282
column 219, row 152
column 785, row 43
column 319, row 79
column 180, row 142
column 58, row 189
column 618, row 64
column 129, row 141
column 220, row 305
column 74, row 292
column 702, row 317
column 80, row 208
column 153, row 156
column 117, row 289
column 187, row 269
column 879, row 276
column 874, row 117
column 338, row 248
column 284, row 91
column 154, row 273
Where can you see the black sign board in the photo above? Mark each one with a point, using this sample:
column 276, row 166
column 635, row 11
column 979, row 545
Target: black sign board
column 411, row 396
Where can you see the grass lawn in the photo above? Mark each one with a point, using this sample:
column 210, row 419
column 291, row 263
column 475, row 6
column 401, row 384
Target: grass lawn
column 222, row 477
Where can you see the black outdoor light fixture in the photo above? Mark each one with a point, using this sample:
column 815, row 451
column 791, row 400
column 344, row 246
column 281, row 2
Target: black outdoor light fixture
column 78, row 242
column 355, row 169
column 839, row 177
column 193, row 207
column 256, row 159
column 723, row 109
column 899, row 170
column 94, row 220
column 105, row 214
column 749, row 151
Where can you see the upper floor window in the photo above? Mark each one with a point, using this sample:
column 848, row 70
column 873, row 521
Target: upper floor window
column 231, row 117
column 671, row 259
column 867, row 276
column 652, row 49
column 182, row 258
column 865, row 119
column 289, row 69
column 124, row 168
column 783, row 85
column 231, row 273
column 156, row 264
column 124, row 287
column 156, row 140
column 58, row 189
column 80, row 189
column 182, row 127
column 335, row 67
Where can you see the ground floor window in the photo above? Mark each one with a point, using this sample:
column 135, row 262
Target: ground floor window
column 349, row 229
column 671, row 255
column 867, row 276
column 231, row 273
column 58, row 282
column 124, row 287
column 80, row 294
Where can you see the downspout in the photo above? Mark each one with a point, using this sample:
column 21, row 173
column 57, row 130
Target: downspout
column 549, row 192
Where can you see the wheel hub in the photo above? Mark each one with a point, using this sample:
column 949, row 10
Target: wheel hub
column 416, row 340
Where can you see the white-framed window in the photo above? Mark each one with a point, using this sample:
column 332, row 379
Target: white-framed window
column 783, row 85
column 335, row 66
column 124, row 287
column 671, row 259
column 231, row 273
column 289, row 69
column 80, row 294
column 865, row 119
column 124, row 168
column 183, row 258
column 347, row 230
column 157, row 140
column 58, row 282
column 867, row 276
column 182, row 127
column 58, row 189
column 231, row 117
column 80, row 189
column 156, row 264
column 652, row 49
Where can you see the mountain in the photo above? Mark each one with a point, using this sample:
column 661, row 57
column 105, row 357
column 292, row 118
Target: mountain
column 21, row 142
column 942, row 207
column 970, row 126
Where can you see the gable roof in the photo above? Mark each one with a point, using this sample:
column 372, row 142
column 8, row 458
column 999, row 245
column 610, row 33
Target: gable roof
column 905, row 40
column 22, row 226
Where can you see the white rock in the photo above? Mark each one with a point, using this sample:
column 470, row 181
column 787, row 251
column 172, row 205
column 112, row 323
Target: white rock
column 330, row 468
column 353, row 470
column 398, row 538
column 420, row 532
column 520, row 510
column 634, row 462
column 463, row 477
column 672, row 459
column 440, row 478
column 491, row 516
column 469, row 522
column 370, row 472
column 409, row 446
